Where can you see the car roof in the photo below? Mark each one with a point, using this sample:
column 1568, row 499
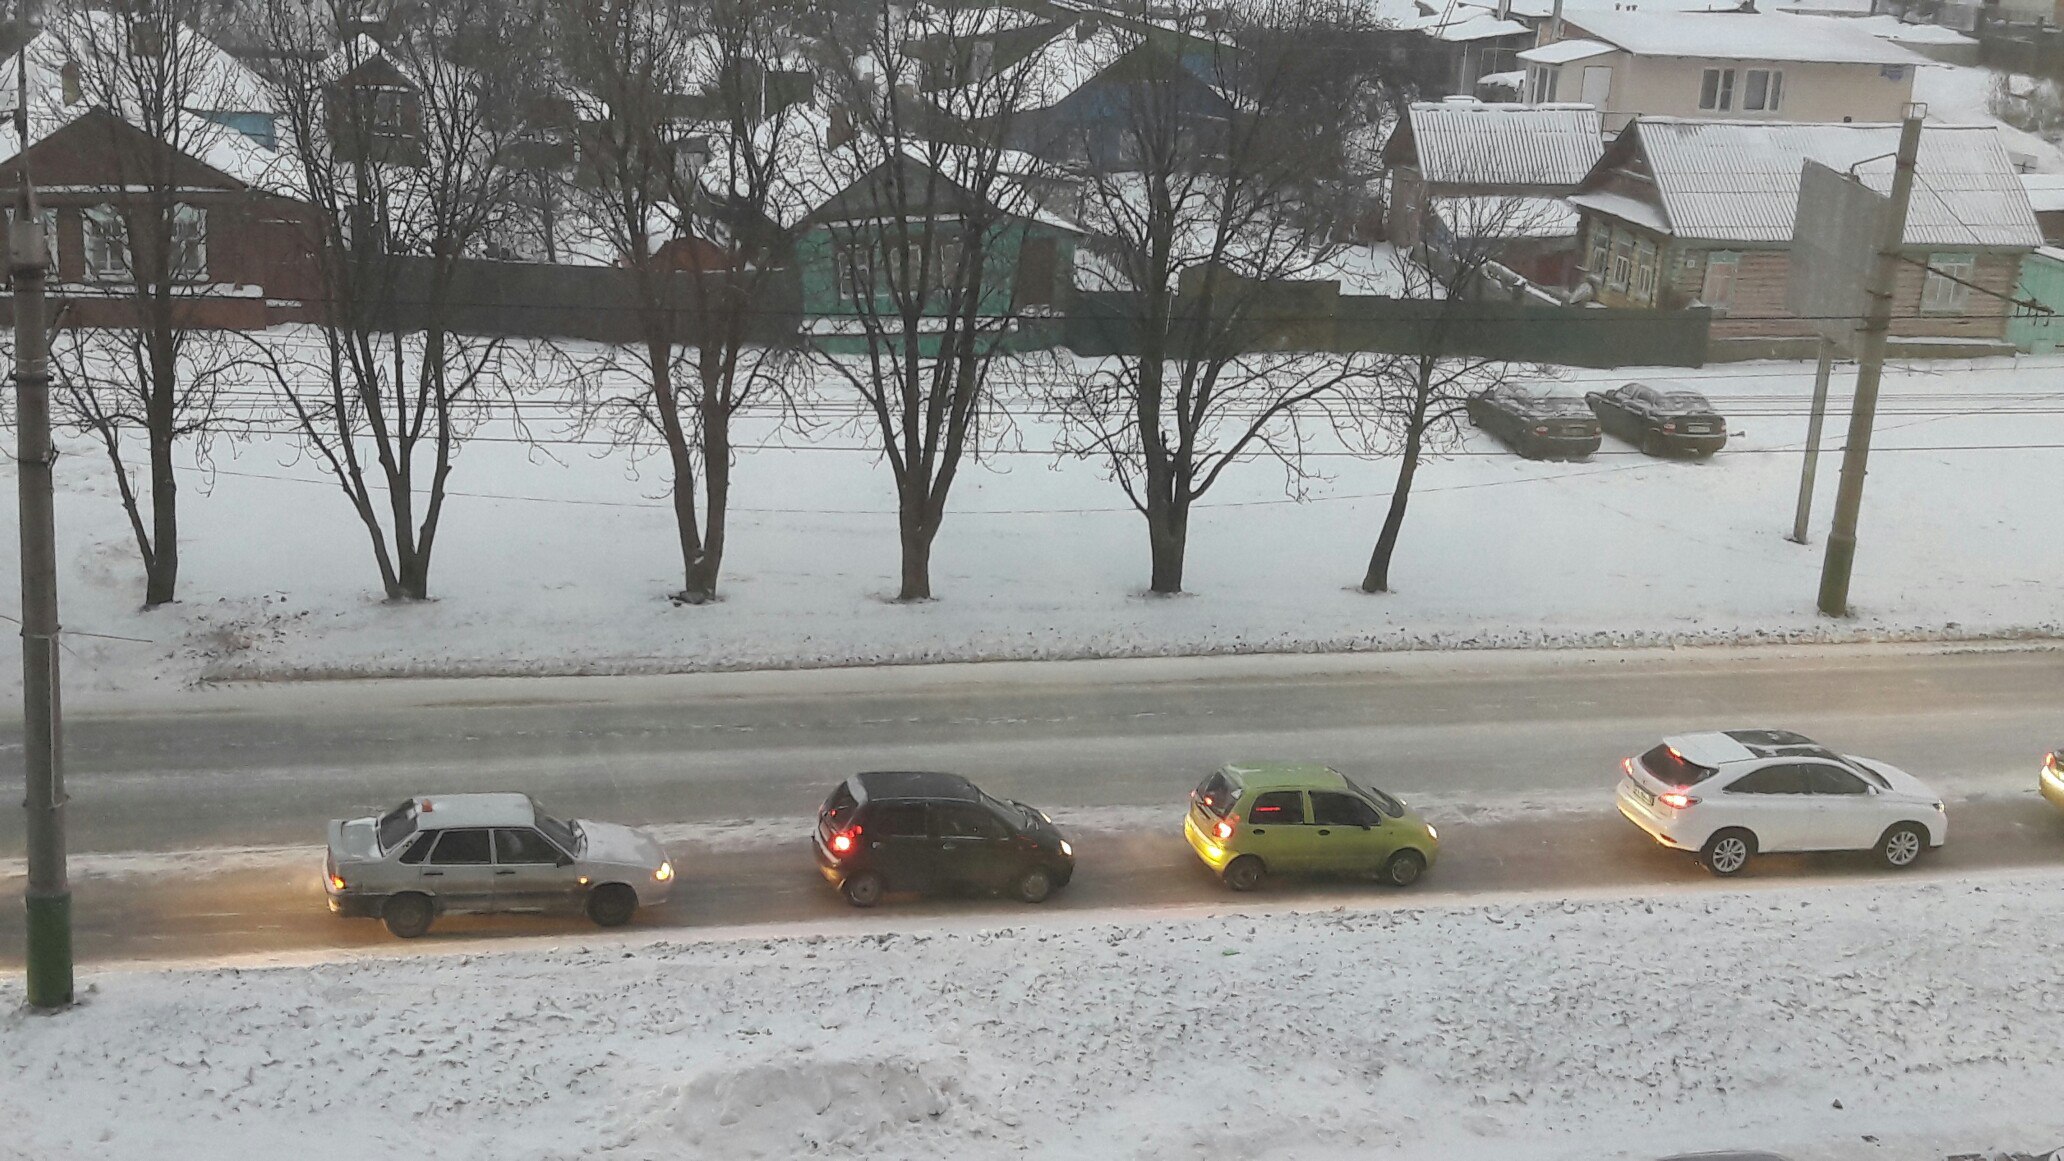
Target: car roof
column 438, row 811
column 1259, row 776
column 1717, row 748
column 875, row 784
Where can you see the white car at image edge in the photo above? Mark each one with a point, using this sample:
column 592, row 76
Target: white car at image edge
column 1733, row 794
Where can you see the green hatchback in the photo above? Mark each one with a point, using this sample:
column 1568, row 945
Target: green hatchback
column 1253, row 820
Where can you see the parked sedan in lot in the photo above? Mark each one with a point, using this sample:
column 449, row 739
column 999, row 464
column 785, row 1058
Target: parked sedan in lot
column 1535, row 420
column 478, row 853
column 1733, row 794
column 895, row 830
column 1253, row 820
column 1662, row 418
column 2051, row 780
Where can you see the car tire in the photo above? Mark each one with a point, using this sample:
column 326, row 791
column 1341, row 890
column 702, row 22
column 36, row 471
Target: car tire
column 863, row 889
column 1034, row 885
column 1245, row 873
column 612, row 905
column 1903, row 846
column 1728, row 852
column 407, row 916
column 1404, row 868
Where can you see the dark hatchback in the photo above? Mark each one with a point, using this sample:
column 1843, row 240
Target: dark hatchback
column 896, row 830
column 1661, row 418
column 1536, row 421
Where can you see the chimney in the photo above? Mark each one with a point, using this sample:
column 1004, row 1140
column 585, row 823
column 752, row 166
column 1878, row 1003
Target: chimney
column 1504, row 9
column 1555, row 23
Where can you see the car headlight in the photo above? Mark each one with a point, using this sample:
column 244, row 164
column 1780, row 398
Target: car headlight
column 1938, row 808
column 665, row 871
column 1067, row 848
column 1432, row 832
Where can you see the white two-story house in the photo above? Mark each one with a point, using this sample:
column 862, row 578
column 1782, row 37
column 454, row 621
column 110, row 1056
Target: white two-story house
column 1754, row 66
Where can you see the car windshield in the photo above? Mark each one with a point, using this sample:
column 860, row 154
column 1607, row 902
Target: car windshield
column 1016, row 813
column 1674, row 768
column 1547, row 401
column 567, row 835
column 1384, row 802
column 397, row 824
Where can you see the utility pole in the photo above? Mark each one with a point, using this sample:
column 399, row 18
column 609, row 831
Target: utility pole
column 49, row 893
column 1841, row 545
column 1804, row 511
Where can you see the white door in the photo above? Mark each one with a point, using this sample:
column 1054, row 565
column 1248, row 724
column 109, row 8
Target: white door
column 1597, row 85
column 1848, row 817
column 1771, row 803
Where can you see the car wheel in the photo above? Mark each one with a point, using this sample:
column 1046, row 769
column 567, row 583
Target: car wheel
column 612, row 905
column 1404, row 868
column 863, row 889
column 1728, row 852
column 407, row 916
column 1245, row 873
column 1902, row 846
column 1034, row 885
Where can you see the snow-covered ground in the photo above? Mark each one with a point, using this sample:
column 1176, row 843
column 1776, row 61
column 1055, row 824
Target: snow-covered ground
column 1891, row 1019
column 560, row 560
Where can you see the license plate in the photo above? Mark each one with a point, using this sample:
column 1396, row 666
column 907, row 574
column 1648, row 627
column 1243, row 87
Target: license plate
column 1641, row 792
column 1696, row 429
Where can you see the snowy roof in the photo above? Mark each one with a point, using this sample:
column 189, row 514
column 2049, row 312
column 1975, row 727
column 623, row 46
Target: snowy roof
column 1750, row 36
column 1739, row 181
column 1064, row 64
column 2045, row 191
column 1506, row 217
column 1894, row 29
column 1619, row 205
column 1564, row 51
column 1467, row 24
column 1502, row 144
column 445, row 810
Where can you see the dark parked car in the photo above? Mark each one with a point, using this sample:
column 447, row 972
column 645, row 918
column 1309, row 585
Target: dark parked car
column 910, row 831
column 1661, row 418
column 1536, row 420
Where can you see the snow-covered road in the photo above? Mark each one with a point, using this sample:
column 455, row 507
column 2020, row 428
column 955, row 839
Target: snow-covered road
column 1894, row 1019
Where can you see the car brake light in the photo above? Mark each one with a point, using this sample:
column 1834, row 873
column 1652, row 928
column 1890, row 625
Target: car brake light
column 336, row 882
column 842, row 842
column 1627, row 764
column 1224, row 829
column 1540, row 431
column 1669, row 425
column 1677, row 800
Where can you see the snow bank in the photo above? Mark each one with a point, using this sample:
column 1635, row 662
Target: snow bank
column 1884, row 1019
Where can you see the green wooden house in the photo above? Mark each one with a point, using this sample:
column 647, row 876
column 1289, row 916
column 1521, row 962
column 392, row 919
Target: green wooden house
column 904, row 215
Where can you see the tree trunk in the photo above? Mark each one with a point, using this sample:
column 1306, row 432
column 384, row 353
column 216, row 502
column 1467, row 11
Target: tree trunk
column 1377, row 579
column 1168, row 532
column 161, row 569
column 917, row 534
column 716, row 477
column 414, row 578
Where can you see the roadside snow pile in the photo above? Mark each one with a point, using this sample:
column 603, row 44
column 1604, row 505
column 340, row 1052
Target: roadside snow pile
column 1890, row 1019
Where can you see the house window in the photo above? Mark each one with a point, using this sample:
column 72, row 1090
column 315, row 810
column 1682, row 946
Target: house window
column 1762, row 89
column 1722, row 266
column 1941, row 295
column 107, row 244
column 1644, row 271
column 1622, row 268
column 853, row 270
column 1543, row 83
column 1716, row 91
column 189, row 251
column 49, row 237
column 1601, row 248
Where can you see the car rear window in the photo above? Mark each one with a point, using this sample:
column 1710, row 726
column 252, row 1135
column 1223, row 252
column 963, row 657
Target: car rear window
column 1674, row 768
column 1216, row 794
column 397, row 824
column 838, row 808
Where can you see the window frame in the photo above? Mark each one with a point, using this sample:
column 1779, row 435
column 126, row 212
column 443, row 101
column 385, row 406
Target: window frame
column 1375, row 813
column 539, row 835
column 1303, row 809
column 1940, row 295
column 1773, row 90
column 187, row 217
column 444, row 836
column 1716, row 90
column 1730, row 260
column 1601, row 248
column 1647, row 276
column 1620, row 266
column 937, row 813
column 102, row 247
column 872, row 820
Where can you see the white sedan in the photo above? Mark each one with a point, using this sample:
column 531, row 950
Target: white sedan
column 1733, row 794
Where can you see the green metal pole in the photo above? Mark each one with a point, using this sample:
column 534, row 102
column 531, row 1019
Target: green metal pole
column 49, row 892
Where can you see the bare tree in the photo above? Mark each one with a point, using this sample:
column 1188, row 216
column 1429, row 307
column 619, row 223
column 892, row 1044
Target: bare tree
column 142, row 364
column 687, row 146
column 1422, row 395
column 1216, row 182
column 922, row 214
column 404, row 153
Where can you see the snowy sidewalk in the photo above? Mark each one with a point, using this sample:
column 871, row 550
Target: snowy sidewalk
column 1891, row 1020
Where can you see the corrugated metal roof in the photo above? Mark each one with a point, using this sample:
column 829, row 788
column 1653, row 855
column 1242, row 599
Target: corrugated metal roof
column 1502, row 144
column 1739, row 181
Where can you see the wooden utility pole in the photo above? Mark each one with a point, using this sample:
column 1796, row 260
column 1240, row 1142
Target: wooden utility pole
column 1877, row 322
